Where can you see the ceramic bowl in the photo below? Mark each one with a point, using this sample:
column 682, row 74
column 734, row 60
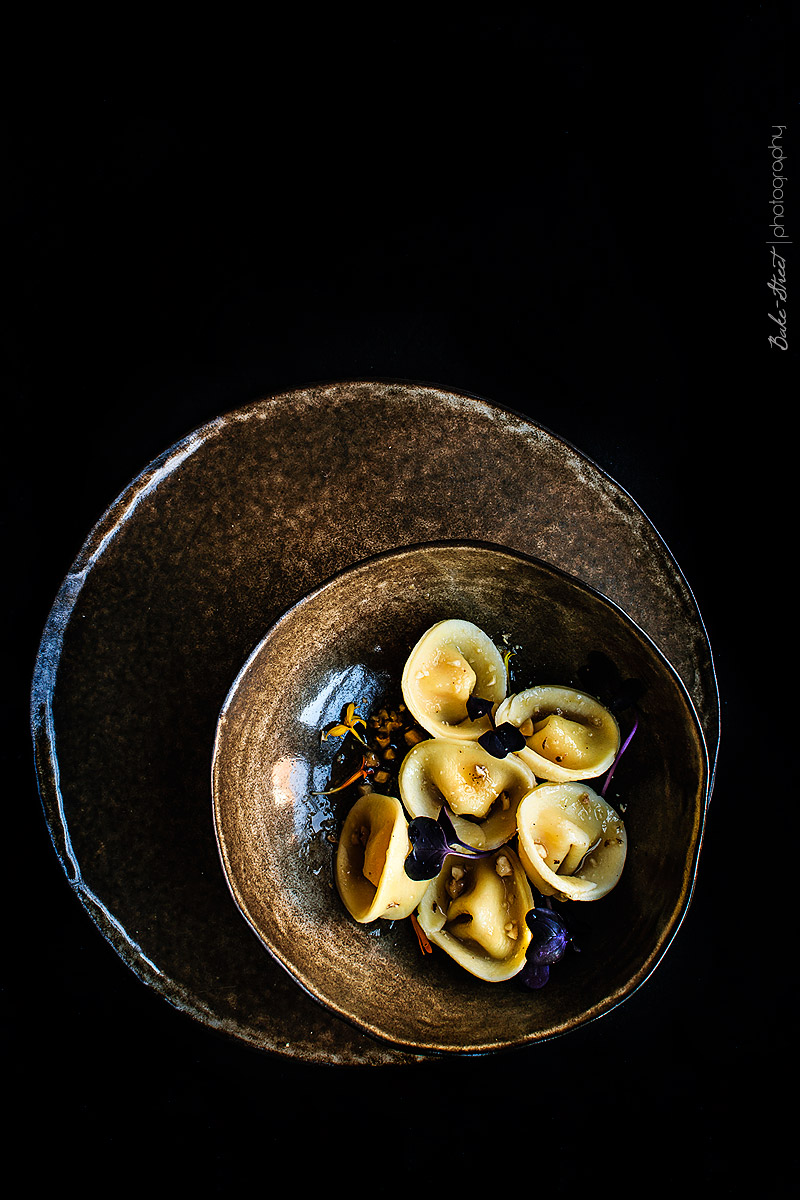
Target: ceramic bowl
column 346, row 642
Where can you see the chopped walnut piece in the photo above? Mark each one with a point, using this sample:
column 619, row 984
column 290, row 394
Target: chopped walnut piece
column 456, row 883
column 412, row 737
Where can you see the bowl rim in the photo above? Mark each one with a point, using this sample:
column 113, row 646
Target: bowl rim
column 657, row 952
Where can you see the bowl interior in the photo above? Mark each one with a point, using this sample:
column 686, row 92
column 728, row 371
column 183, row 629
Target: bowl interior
column 347, row 641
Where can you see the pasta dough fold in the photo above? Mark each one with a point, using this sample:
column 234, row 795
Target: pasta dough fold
column 452, row 661
column 370, row 861
column 568, row 734
column 572, row 843
column 481, row 792
column 475, row 910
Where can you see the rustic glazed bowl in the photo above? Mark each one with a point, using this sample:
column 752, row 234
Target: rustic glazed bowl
column 347, row 641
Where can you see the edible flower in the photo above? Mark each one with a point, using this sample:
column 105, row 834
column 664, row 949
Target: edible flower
column 347, row 725
column 424, row 944
column 431, row 842
column 364, row 771
column 500, row 740
column 549, row 940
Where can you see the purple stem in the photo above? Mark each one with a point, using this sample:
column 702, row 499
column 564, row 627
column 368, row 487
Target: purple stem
column 622, row 750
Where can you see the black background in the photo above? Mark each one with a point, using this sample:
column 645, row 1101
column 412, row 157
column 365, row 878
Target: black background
column 567, row 216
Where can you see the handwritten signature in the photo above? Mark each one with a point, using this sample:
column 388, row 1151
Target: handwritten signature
column 777, row 284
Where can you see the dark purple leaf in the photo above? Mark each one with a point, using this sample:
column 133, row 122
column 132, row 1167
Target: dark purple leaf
column 549, row 940
column 534, row 975
column 477, row 708
column 549, row 936
column 431, row 842
column 502, row 740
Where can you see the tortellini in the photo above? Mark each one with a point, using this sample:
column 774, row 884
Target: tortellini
column 482, row 792
column 476, row 910
column 525, row 823
column 370, row 861
column 572, row 843
column 568, row 735
column 452, row 661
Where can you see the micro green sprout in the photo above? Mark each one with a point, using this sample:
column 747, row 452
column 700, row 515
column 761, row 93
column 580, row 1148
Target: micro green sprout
column 549, row 941
column 500, row 740
column 431, row 843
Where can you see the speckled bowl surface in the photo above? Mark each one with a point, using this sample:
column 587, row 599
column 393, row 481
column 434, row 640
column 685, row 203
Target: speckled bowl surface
column 180, row 580
column 347, row 642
